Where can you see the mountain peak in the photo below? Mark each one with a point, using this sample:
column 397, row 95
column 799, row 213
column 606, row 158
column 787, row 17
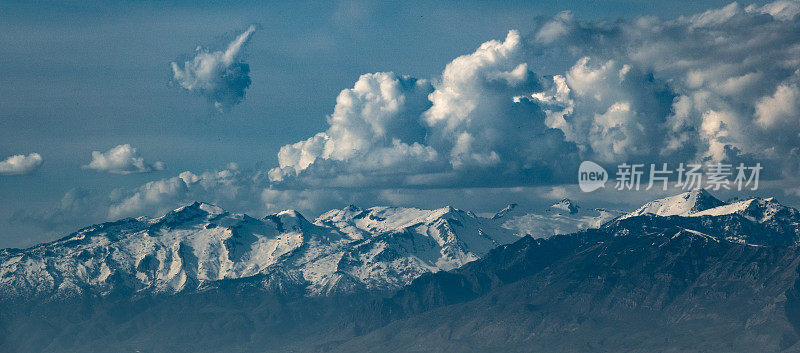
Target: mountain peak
column 290, row 213
column 505, row 211
column 290, row 216
column 566, row 205
column 756, row 209
column 685, row 204
column 352, row 208
column 193, row 211
column 199, row 206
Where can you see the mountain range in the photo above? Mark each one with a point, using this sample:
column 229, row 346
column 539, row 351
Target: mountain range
column 343, row 250
column 686, row 272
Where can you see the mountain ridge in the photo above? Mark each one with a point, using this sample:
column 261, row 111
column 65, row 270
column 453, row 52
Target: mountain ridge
column 343, row 250
column 722, row 281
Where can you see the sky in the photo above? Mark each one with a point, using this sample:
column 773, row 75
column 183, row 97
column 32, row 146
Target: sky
column 126, row 109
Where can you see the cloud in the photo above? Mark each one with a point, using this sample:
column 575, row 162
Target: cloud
column 555, row 28
column 782, row 10
column 154, row 194
column 227, row 187
column 611, row 110
column 20, row 164
column 721, row 85
column 375, row 126
column 121, row 159
column 524, row 110
column 780, row 109
column 718, row 85
column 220, row 76
column 77, row 207
column 393, row 130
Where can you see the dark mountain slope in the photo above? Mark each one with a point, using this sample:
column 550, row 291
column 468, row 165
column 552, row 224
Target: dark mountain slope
column 674, row 290
column 711, row 281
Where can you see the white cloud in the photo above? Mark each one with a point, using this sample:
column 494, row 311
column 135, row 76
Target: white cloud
column 374, row 125
column 781, row 109
column 470, row 119
column 121, row 159
column 154, row 194
column 227, row 187
column 392, row 130
column 554, row 29
column 782, row 10
column 20, row 164
column 463, row 82
column 703, row 86
column 718, row 85
column 219, row 76
column 611, row 111
column 517, row 115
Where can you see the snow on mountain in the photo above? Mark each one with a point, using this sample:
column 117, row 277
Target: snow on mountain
column 342, row 220
column 184, row 249
column 566, row 205
column 700, row 203
column 403, row 243
column 684, row 204
column 563, row 217
column 381, row 248
column 754, row 221
column 196, row 245
column 755, row 209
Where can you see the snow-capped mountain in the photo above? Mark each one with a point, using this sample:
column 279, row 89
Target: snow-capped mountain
column 399, row 244
column 563, row 217
column 184, row 249
column 193, row 246
column 344, row 250
column 754, row 221
column 684, row 204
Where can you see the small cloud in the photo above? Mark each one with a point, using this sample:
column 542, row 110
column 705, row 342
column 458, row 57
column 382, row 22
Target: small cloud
column 227, row 187
column 121, row 159
column 557, row 193
column 151, row 195
column 555, row 29
column 20, row 164
column 219, row 76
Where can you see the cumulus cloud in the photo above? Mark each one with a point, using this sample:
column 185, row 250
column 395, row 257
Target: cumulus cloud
column 779, row 109
column 611, row 110
column 154, row 194
column 512, row 120
column 121, row 159
column 155, row 197
column 220, row 76
column 782, row 10
column 228, row 187
column 555, row 28
column 396, row 130
column 718, row 85
column 20, row 164
column 721, row 85
column 374, row 129
column 524, row 110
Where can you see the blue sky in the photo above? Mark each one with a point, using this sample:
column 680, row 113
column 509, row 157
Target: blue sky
column 81, row 77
